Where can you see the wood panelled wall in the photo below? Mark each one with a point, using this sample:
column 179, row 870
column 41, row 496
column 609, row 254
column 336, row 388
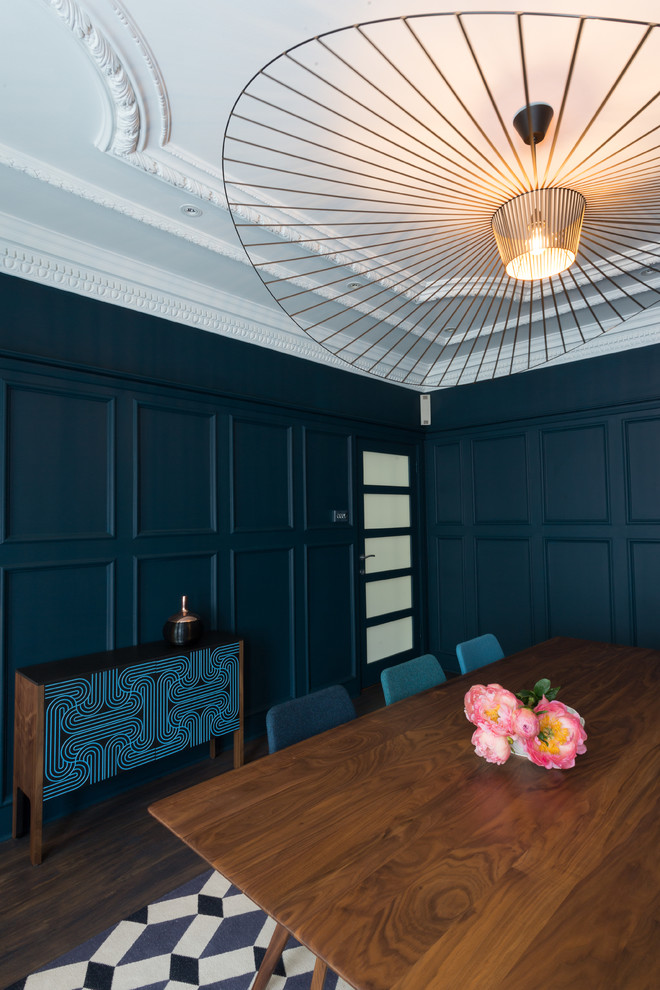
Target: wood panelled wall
column 141, row 460
column 548, row 525
column 122, row 494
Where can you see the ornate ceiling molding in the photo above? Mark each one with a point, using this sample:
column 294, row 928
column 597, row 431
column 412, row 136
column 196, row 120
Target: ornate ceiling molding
column 265, row 329
column 94, row 194
column 642, row 330
column 179, row 180
column 134, row 85
column 126, row 131
column 54, row 271
column 152, row 66
column 129, row 139
column 60, row 179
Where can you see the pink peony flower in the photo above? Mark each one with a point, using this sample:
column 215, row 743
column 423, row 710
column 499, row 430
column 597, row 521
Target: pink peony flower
column 560, row 736
column 525, row 723
column 491, row 746
column 491, row 707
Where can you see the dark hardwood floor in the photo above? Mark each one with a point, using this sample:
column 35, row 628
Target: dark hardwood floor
column 100, row 866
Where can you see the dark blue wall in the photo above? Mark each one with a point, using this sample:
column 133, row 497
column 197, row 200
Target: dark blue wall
column 543, row 506
column 142, row 460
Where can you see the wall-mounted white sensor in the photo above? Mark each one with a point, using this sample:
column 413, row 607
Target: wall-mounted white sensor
column 425, row 410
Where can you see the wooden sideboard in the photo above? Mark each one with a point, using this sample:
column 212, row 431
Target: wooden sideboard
column 82, row 720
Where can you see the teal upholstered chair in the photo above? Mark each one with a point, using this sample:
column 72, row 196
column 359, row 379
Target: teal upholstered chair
column 298, row 719
column 410, row 677
column 478, row 652
column 288, row 723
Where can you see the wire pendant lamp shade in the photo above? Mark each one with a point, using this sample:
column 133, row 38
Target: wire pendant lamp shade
column 538, row 233
column 379, row 181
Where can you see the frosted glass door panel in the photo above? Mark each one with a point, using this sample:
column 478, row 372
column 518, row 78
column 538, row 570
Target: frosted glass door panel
column 385, row 469
column 392, row 595
column 390, row 553
column 388, row 610
column 386, row 511
column 389, row 639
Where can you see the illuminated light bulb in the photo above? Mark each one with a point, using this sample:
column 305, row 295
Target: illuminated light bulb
column 538, row 233
column 537, row 243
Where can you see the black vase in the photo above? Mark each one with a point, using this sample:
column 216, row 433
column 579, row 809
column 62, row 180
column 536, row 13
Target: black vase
column 184, row 627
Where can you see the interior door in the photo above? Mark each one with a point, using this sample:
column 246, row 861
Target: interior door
column 389, row 598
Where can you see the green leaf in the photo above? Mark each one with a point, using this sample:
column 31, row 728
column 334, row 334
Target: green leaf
column 542, row 687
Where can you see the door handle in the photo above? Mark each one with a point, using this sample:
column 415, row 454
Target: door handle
column 365, row 556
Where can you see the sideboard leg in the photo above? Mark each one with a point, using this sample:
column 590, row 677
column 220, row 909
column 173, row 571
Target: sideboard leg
column 239, row 748
column 21, row 813
column 36, row 830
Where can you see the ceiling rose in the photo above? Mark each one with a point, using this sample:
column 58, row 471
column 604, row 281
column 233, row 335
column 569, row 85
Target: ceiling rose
column 388, row 188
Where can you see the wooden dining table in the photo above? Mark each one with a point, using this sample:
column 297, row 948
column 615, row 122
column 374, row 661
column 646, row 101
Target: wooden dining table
column 406, row 862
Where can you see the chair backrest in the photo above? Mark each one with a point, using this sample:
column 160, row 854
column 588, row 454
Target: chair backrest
column 300, row 718
column 410, row 677
column 478, row 652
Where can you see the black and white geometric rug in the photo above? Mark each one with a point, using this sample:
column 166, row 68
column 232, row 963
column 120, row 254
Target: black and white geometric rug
column 204, row 934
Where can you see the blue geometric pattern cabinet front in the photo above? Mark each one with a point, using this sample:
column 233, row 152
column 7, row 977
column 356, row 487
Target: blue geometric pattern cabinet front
column 83, row 720
column 114, row 720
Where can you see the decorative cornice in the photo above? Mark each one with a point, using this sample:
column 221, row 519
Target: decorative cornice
column 60, row 179
column 128, row 137
column 126, row 131
column 40, row 267
column 86, row 190
column 643, row 331
column 200, row 166
column 153, row 67
column 180, row 180
column 127, row 141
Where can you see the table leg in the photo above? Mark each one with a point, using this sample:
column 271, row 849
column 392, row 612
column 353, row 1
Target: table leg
column 318, row 976
column 276, row 945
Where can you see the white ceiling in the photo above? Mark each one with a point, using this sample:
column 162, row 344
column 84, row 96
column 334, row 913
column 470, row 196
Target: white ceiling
column 112, row 119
